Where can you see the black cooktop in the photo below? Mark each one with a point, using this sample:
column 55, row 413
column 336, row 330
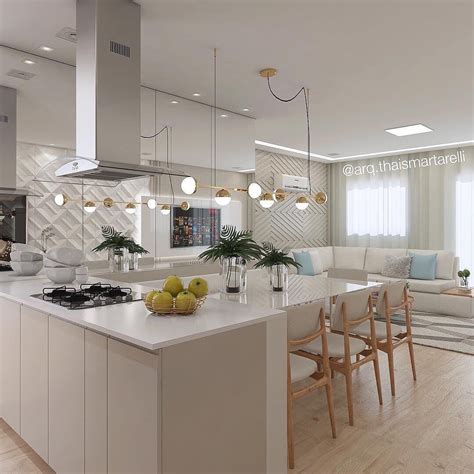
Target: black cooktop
column 91, row 295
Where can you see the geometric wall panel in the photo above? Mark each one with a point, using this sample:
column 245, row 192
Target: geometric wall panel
column 283, row 224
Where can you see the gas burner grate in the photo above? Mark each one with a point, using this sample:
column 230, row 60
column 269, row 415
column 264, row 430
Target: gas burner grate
column 57, row 294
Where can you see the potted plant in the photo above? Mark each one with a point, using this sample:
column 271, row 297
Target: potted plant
column 277, row 262
column 233, row 250
column 464, row 276
column 119, row 246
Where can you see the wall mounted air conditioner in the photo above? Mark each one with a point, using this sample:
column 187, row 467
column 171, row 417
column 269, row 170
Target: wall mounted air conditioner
column 292, row 183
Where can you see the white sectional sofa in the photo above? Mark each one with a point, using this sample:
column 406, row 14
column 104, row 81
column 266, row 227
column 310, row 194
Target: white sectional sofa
column 427, row 293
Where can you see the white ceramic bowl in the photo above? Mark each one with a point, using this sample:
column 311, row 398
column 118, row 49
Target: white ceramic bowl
column 61, row 275
column 26, row 268
column 52, row 264
column 65, row 255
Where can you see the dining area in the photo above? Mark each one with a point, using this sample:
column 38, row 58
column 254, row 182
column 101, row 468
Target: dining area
column 337, row 327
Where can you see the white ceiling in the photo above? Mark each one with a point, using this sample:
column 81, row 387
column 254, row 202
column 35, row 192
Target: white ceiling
column 370, row 65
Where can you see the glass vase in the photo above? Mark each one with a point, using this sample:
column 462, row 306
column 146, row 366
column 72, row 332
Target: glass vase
column 119, row 260
column 464, row 283
column 279, row 279
column 133, row 261
column 234, row 275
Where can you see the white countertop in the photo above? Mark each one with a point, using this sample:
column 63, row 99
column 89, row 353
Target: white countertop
column 132, row 322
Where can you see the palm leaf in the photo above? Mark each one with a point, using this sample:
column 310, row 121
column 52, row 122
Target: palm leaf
column 273, row 256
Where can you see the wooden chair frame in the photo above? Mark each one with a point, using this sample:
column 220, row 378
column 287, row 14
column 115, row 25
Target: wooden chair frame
column 321, row 379
column 392, row 342
column 345, row 365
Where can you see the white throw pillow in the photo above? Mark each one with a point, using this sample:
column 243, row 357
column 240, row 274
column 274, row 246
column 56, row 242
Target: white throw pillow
column 397, row 267
column 317, row 262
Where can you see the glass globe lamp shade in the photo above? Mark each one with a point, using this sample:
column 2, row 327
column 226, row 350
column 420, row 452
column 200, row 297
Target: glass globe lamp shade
column 90, row 207
column 130, row 208
column 266, row 200
column 151, row 203
column 60, row 199
column 302, row 203
column 165, row 209
column 254, row 190
column 185, row 205
column 223, row 197
column 189, row 185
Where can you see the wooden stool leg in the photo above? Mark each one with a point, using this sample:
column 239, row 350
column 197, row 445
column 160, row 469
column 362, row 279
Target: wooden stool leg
column 391, row 368
column 289, row 427
column 350, row 406
column 412, row 358
column 332, row 417
column 377, row 378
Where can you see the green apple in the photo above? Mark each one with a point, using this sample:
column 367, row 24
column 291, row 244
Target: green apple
column 162, row 302
column 173, row 285
column 185, row 301
column 198, row 286
column 149, row 297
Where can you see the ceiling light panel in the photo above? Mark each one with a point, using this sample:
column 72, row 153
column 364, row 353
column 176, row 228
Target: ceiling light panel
column 48, row 49
column 409, row 130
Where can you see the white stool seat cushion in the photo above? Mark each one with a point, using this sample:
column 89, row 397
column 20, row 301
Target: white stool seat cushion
column 301, row 368
column 335, row 345
column 380, row 329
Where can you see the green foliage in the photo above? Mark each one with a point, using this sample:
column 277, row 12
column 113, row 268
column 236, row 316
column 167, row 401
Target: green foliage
column 116, row 240
column 464, row 275
column 273, row 256
column 233, row 243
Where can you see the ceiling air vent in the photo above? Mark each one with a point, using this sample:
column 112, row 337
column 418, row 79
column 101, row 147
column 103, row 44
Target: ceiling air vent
column 20, row 74
column 120, row 49
column 68, row 34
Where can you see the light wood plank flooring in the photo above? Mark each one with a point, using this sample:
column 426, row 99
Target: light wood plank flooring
column 426, row 428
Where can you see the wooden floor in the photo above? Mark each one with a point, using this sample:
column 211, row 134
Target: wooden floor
column 427, row 427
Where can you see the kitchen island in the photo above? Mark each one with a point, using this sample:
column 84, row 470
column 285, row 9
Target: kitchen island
column 116, row 389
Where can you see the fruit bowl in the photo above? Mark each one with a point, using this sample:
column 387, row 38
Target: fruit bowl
column 173, row 311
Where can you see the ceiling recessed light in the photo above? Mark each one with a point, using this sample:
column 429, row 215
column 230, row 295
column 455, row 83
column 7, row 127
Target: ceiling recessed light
column 46, row 48
column 246, row 109
column 409, row 130
column 28, row 61
column 51, row 144
column 250, row 170
column 224, row 115
column 175, row 101
column 197, row 94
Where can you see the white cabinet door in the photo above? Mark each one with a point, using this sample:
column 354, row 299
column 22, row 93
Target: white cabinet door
column 66, row 396
column 10, row 360
column 34, row 380
column 95, row 402
column 134, row 418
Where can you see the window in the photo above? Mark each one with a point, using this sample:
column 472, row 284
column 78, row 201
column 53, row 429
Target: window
column 377, row 211
column 465, row 222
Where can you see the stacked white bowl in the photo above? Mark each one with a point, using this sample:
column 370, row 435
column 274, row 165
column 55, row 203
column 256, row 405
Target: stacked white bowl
column 61, row 264
column 26, row 260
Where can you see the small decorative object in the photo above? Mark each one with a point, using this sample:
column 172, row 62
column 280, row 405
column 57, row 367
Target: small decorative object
column 46, row 234
column 119, row 246
column 177, row 301
column 464, row 278
column 233, row 250
column 277, row 261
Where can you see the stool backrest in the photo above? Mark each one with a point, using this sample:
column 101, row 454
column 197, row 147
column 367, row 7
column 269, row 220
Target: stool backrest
column 356, row 306
column 303, row 321
column 393, row 292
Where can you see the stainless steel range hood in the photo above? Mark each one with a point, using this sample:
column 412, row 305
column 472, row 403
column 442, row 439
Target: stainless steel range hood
column 8, row 145
column 108, row 94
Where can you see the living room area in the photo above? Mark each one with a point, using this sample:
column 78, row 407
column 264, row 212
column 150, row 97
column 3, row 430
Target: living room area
column 236, row 237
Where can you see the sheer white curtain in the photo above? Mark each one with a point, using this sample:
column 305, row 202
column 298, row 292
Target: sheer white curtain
column 429, row 207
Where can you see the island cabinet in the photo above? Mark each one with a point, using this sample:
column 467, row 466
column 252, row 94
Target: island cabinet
column 10, row 326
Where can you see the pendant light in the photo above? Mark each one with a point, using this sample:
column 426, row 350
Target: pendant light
column 165, row 209
column 151, row 203
column 90, row 207
column 254, row 190
column 189, row 185
column 223, row 197
column 60, row 199
column 266, row 200
column 130, row 208
column 302, row 203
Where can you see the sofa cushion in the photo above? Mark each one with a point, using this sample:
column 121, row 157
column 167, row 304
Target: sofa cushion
column 317, row 261
column 423, row 267
column 430, row 286
column 304, row 260
column 349, row 257
column 444, row 262
column 396, row 267
column 375, row 258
